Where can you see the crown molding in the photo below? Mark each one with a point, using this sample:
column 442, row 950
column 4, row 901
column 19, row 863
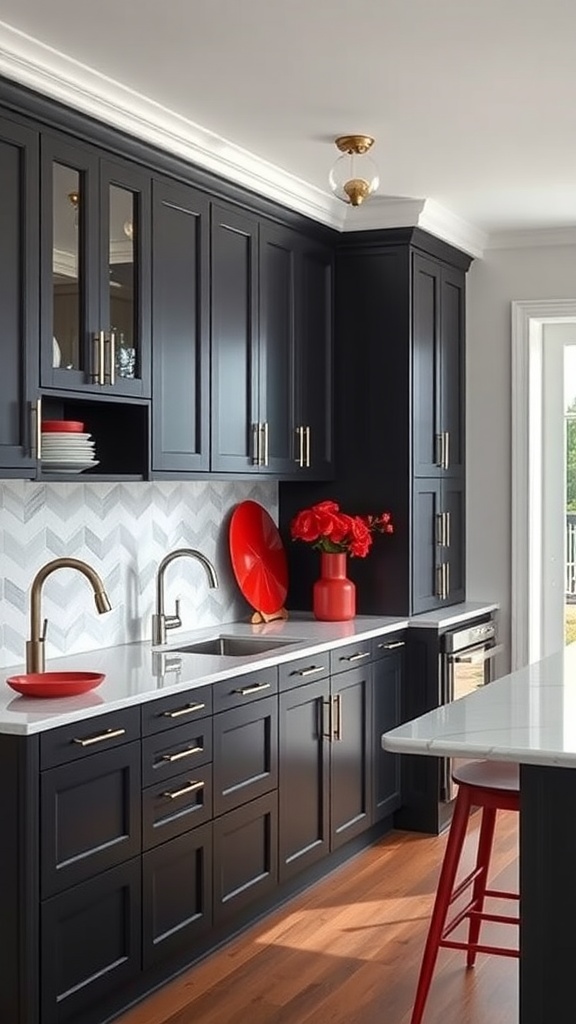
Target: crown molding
column 536, row 237
column 46, row 70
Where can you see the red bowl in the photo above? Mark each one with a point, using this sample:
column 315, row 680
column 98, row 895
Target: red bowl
column 62, row 426
column 55, row 684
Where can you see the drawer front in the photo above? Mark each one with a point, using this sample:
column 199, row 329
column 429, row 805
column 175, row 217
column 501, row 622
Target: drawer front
column 245, row 856
column 168, row 754
column 304, row 670
column 172, row 808
column 245, row 753
column 239, row 690
column 387, row 644
column 178, row 708
column 89, row 736
column 350, row 656
column 89, row 817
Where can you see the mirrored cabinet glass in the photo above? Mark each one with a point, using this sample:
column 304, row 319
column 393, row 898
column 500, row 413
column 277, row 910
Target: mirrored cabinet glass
column 66, row 257
column 123, row 230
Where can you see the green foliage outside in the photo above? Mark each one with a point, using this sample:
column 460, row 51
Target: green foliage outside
column 571, row 460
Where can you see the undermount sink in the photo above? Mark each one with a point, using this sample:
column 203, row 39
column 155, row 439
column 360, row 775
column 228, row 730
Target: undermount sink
column 233, row 646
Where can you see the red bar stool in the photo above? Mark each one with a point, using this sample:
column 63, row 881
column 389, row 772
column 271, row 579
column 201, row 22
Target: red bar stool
column 491, row 786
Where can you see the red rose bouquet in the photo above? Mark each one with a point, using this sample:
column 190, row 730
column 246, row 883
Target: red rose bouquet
column 334, row 532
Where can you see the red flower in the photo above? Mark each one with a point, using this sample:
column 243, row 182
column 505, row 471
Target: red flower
column 328, row 529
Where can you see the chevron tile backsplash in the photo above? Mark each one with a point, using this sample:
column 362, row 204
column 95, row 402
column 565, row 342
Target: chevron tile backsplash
column 122, row 530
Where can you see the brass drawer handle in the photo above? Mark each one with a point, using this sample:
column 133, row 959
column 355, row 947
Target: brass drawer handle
column 182, row 753
column 308, row 671
column 244, row 691
column 188, row 710
column 357, row 657
column 392, row 646
column 175, row 793
column 337, row 731
column 110, row 734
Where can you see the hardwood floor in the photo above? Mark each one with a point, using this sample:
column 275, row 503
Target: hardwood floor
column 348, row 951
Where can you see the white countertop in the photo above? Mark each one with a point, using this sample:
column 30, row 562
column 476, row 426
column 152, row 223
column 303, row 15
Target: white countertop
column 134, row 674
column 528, row 717
column 444, row 618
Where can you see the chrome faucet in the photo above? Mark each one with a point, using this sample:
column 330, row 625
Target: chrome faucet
column 160, row 621
column 35, row 646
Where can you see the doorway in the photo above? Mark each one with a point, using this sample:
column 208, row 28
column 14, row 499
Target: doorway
column 543, row 368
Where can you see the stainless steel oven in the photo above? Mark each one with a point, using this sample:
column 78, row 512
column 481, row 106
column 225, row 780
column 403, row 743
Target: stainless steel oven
column 466, row 663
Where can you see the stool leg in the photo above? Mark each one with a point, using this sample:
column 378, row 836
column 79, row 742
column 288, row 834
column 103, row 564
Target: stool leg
column 485, row 840
column 450, row 863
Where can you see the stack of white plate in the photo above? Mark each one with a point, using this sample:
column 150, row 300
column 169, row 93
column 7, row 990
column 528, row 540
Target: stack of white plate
column 67, row 452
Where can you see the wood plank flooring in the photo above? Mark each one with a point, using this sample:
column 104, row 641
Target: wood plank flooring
column 348, row 951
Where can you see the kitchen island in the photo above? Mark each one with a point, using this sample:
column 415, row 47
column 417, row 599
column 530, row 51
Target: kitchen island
column 528, row 717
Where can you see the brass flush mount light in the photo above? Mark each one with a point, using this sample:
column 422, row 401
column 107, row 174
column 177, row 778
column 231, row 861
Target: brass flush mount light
column 354, row 176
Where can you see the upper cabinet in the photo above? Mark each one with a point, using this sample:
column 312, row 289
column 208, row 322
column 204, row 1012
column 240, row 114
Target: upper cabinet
column 271, row 316
column 438, row 376
column 95, row 272
column 18, row 294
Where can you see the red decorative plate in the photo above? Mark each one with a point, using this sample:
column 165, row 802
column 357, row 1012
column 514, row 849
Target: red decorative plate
column 258, row 557
column 55, row 684
column 62, row 426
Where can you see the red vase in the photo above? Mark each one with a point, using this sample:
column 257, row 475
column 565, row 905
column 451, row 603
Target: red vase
column 333, row 595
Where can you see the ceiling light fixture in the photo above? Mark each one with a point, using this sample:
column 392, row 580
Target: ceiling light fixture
column 354, row 176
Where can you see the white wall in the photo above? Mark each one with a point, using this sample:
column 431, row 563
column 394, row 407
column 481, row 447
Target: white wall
column 503, row 276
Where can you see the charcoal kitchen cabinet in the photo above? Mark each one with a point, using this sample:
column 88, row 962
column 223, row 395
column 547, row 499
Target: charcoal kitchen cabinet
column 399, row 414
column 95, row 246
column 271, row 316
column 180, row 327
column 19, row 225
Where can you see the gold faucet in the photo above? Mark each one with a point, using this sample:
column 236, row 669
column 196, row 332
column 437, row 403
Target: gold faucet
column 160, row 621
column 35, row 649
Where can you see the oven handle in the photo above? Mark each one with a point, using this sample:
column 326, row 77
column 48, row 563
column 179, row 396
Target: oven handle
column 477, row 657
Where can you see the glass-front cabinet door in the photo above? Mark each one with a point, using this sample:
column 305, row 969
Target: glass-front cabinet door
column 95, row 287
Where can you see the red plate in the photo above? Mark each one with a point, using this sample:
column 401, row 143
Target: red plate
column 258, row 557
column 55, row 684
column 62, row 426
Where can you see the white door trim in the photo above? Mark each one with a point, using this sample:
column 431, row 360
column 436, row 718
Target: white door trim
column 528, row 319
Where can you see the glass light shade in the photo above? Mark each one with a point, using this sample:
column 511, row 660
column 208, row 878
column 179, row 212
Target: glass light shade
column 353, row 178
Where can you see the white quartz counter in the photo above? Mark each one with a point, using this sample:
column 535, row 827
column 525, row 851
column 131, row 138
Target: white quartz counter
column 528, row 717
column 135, row 674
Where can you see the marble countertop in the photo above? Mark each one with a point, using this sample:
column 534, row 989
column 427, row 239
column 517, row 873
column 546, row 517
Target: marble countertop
column 135, row 673
column 528, row 717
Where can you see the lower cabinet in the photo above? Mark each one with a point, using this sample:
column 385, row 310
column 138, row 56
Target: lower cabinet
column 148, row 834
column 90, row 937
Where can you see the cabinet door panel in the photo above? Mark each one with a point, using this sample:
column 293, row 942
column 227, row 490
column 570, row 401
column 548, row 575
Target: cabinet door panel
column 91, row 943
column 350, row 774
column 90, row 817
column 452, row 365
column 427, row 555
column 245, row 753
column 245, row 856
column 234, row 317
column 180, row 417
column 426, row 370
column 453, row 506
column 176, row 806
column 314, row 360
column 176, row 895
column 18, row 293
column 277, row 333
column 304, row 780
column 388, row 675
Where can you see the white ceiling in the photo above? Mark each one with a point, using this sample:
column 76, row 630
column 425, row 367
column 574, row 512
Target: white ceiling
column 472, row 104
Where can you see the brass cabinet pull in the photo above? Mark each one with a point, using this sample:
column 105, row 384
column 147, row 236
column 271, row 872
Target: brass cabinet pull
column 307, row 457
column 300, row 457
column 308, row 671
column 191, row 788
column 110, row 734
column 447, row 530
column 98, row 358
column 439, row 581
column 357, row 657
column 36, row 429
column 439, row 529
column 326, row 719
column 446, row 579
column 111, row 346
column 245, row 690
column 337, row 733
column 392, row 646
column 264, row 461
column 439, row 453
column 446, row 451
column 188, row 710
column 182, row 753
column 255, row 444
